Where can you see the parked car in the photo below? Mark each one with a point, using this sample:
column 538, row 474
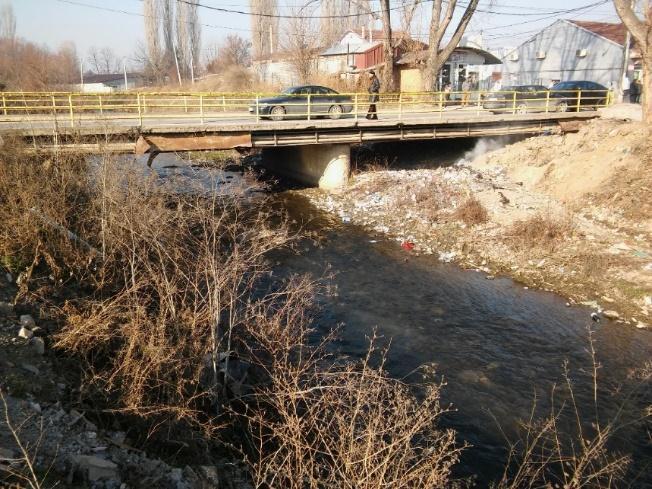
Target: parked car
column 591, row 95
column 522, row 98
column 293, row 102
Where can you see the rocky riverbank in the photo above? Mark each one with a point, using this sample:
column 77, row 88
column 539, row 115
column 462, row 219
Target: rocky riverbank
column 569, row 214
column 45, row 421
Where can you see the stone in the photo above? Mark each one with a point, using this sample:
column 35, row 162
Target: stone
column 612, row 315
column 641, row 325
column 9, row 277
column 6, row 308
column 27, row 321
column 97, row 468
column 30, row 368
column 35, row 406
column 38, row 345
column 25, row 333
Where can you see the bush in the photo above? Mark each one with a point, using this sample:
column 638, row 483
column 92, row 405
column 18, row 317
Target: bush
column 472, row 212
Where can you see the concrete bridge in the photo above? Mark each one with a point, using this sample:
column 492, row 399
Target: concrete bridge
column 309, row 149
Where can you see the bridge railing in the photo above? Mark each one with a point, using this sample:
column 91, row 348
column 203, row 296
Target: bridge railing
column 73, row 109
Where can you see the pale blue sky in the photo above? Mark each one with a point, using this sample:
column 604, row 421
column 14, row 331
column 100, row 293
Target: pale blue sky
column 53, row 22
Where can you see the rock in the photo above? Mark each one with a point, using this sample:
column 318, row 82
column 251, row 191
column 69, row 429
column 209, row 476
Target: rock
column 27, row 321
column 25, row 333
column 30, row 368
column 38, row 345
column 35, row 406
column 612, row 315
column 595, row 317
column 6, row 308
column 641, row 325
column 97, row 468
column 9, row 277
column 490, row 277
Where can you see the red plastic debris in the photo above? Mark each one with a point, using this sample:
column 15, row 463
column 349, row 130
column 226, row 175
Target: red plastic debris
column 407, row 245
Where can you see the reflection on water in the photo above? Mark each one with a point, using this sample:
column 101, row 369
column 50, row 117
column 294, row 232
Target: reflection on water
column 495, row 343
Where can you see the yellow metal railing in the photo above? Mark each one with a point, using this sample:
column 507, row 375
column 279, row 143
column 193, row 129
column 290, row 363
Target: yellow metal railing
column 74, row 108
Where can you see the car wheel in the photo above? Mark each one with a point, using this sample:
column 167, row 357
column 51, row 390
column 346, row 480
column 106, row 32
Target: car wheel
column 335, row 111
column 521, row 109
column 277, row 113
column 562, row 107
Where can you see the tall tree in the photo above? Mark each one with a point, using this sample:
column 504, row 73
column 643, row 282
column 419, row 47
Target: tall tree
column 264, row 27
column 7, row 22
column 388, row 49
column 641, row 31
column 188, row 35
column 301, row 42
column 439, row 23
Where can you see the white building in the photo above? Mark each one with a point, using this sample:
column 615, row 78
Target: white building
column 112, row 82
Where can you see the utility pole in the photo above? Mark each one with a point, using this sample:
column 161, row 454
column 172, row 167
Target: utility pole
column 124, row 70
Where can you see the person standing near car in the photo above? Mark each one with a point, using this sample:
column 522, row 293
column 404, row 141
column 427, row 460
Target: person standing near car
column 374, row 89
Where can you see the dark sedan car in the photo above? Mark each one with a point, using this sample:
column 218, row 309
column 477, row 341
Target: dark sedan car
column 571, row 95
column 519, row 98
column 293, row 102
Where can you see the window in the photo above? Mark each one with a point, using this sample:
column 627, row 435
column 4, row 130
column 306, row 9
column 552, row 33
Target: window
column 581, row 53
column 541, row 55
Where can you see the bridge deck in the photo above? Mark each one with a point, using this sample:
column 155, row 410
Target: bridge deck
column 169, row 134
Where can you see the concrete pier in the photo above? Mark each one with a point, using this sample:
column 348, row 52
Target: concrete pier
column 324, row 165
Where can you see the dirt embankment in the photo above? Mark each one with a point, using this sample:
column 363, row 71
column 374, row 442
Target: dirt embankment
column 570, row 214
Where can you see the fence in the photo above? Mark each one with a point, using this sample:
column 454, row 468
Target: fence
column 74, row 108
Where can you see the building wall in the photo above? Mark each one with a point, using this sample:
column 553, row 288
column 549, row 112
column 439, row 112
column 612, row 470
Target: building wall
column 560, row 42
column 276, row 73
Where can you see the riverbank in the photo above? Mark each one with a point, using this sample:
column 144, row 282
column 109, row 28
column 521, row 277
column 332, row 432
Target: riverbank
column 569, row 214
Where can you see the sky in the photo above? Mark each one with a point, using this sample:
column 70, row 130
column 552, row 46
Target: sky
column 100, row 23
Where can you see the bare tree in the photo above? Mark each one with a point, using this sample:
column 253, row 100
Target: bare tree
column 234, row 51
column 188, row 33
column 7, row 22
column 640, row 29
column 439, row 23
column 301, row 42
column 103, row 60
column 388, row 49
column 264, row 29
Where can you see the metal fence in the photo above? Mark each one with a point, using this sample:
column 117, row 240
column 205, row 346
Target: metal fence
column 72, row 109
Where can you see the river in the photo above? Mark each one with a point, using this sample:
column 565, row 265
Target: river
column 496, row 343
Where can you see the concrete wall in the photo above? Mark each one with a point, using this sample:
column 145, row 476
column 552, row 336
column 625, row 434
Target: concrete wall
column 560, row 43
column 324, row 165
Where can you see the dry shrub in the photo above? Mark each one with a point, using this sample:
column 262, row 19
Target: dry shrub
column 42, row 199
column 175, row 285
column 472, row 212
column 572, row 447
column 346, row 426
column 541, row 231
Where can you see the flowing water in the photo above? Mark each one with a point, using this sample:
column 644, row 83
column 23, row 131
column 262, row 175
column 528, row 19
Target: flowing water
column 495, row 343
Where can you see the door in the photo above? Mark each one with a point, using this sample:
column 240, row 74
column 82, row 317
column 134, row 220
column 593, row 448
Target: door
column 321, row 100
column 299, row 102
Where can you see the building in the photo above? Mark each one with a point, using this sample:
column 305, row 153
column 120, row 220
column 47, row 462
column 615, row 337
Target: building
column 463, row 62
column 571, row 50
column 110, row 82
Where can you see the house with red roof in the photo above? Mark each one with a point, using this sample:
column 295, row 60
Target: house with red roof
column 572, row 50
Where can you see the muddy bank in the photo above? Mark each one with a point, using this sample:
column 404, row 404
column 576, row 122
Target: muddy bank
column 567, row 214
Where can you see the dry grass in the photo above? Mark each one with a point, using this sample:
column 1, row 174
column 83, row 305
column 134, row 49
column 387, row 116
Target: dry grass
column 472, row 212
column 541, row 231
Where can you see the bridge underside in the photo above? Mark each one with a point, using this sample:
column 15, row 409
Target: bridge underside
column 320, row 153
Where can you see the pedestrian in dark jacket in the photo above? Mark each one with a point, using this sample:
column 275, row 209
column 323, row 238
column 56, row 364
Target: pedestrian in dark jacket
column 635, row 92
column 374, row 88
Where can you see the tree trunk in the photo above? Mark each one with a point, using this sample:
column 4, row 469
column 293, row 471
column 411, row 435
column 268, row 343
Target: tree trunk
column 388, row 83
column 646, row 87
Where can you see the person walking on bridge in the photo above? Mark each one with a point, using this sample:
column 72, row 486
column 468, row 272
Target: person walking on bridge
column 374, row 88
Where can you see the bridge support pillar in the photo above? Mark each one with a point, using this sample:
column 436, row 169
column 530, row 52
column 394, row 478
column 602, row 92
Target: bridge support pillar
column 324, row 165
